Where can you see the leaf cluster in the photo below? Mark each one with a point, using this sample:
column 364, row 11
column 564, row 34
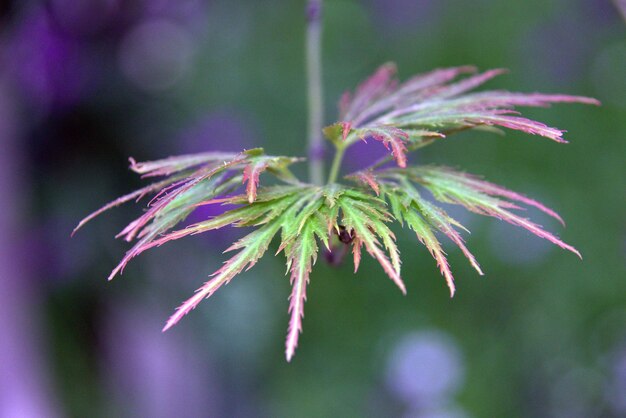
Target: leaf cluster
column 337, row 216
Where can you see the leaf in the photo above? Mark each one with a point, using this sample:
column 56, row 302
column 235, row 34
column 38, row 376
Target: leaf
column 427, row 237
column 435, row 102
column 454, row 89
column 478, row 196
column 376, row 86
column 408, row 91
column 193, row 179
column 252, row 246
column 502, row 98
column 403, row 117
column 366, row 177
column 367, row 220
column 258, row 164
column 136, row 195
column 471, row 119
column 171, row 165
column 392, row 138
column 337, row 131
column 163, row 215
column 261, row 212
column 301, row 255
column 251, row 175
column 302, row 224
column 439, row 174
column 445, row 224
column 356, row 252
column 424, row 218
column 307, row 204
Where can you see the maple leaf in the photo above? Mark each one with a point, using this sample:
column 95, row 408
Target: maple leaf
column 301, row 254
column 484, row 198
column 366, row 177
column 424, row 218
column 191, row 180
column 397, row 186
column 432, row 106
column 367, row 216
column 392, row 138
column 404, row 117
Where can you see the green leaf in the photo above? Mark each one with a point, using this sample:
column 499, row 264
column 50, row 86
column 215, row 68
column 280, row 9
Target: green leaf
column 424, row 218
column 337, row 132
column 252, row 246
column 364, row 216
column 301, row 256
column 427, row 237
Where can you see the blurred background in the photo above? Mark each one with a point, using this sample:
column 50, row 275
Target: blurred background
column 86, row 84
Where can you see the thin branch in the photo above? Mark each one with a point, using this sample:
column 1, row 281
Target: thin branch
column 315, row 91
column 334, row 170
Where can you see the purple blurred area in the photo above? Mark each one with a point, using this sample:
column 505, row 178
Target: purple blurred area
column 425, row 370
column 151, row 374
column 621, row 5
column 55, row 59
column 49, row 66
column 25, row 386
column 402, row 16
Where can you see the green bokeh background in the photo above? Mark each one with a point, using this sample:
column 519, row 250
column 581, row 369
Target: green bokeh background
column 536, row 334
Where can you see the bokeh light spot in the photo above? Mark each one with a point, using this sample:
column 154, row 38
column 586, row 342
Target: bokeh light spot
column 156, row 54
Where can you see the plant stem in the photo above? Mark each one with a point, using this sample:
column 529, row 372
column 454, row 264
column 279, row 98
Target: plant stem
column 315, row 94
column 334, row 169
